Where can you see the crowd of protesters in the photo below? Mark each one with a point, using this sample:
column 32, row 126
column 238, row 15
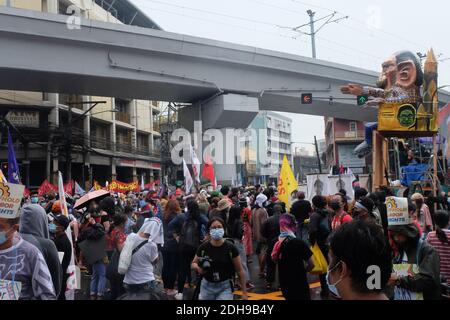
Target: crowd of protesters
column 160, row 243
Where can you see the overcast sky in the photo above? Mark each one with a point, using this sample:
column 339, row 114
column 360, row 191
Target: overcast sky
column 373, row 31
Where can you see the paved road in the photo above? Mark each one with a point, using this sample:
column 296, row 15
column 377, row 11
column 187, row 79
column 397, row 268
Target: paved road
column 257, row 293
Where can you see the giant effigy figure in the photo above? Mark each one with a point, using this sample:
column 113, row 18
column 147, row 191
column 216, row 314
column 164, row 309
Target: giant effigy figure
column 401, row 107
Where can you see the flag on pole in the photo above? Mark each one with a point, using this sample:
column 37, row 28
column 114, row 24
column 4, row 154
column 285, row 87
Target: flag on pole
column 188, row 182
column 195, row 165
column 287, row 183
column 71, row 270
column 208, row 172
column 79, row 190
column 13, row 168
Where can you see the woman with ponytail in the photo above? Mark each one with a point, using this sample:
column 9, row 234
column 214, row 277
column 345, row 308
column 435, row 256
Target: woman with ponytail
column 440, row 240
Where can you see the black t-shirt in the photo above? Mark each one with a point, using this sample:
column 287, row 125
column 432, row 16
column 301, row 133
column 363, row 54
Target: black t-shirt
column 62, row 243
column 222, row 267
column 291, row 270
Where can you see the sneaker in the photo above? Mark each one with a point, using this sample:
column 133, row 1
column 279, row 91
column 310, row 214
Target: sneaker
column 179, row 296
column 171, row 292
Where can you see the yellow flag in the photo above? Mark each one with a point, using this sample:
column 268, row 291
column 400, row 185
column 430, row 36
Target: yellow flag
column 287, row 183
column 97, row 186
column 2, row 177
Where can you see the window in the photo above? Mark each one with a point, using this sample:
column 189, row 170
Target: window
column 122, row 105
column 353, row 126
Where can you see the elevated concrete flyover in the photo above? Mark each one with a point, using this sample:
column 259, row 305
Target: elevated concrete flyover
column 38, row 52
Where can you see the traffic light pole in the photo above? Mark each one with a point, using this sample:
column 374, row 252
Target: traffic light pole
column 317, row 154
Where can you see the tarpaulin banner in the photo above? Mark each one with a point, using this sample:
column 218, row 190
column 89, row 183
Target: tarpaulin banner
column 10, row 199
column 122, row 187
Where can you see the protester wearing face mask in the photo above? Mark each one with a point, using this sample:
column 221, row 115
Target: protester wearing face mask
column 58, row 229
column 423, row 280
column 217, row 261
column 340, row 216
column 34, row 198
column 354, row 247
column 13, row 248
column 34, row 228
column 293, row 257
column 363, row 210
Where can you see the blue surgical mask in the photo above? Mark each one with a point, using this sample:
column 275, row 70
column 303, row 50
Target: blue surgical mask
column 332, row 287
column 217, row 234
column 34, row 200
column 51, row 228
column 3, row 237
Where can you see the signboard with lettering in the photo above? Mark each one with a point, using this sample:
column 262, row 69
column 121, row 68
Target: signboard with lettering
column 10, row 199
column 27, row 119
column 397, row 211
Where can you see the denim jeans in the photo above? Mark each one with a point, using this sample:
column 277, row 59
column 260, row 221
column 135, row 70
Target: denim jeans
column 238, row 244
column 215, row 290
column 143, row 287
column 98, row 279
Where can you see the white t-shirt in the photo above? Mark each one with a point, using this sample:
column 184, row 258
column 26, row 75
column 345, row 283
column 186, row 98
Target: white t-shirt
column 141, row 267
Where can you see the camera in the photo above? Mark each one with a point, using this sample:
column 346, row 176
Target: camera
column 204, row 262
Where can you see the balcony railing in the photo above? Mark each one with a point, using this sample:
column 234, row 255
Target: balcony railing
column 349, row 135
column 123, row 117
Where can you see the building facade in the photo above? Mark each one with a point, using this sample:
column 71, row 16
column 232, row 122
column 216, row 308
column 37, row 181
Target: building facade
column 262, row 153
column 342, row 137
column 85, row 137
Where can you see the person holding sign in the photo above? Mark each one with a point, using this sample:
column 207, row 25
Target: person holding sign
column 416, row 264
column 23, row 272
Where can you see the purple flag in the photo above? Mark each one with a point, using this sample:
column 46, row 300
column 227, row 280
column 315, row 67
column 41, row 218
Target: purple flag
column 13, row 168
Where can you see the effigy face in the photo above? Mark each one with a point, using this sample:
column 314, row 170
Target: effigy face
column 402, row 105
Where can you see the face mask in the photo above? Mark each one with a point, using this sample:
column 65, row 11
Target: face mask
column 217, row 234
column 335, row 206
column 34, row 200
column 51, row 228
column 332, row 287
column 3, row 237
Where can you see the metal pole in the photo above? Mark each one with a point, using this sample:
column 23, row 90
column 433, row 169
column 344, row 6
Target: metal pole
column 8, row 3
column 313, row 34
column 69, row 147
column 435, row 168
column 317, row 153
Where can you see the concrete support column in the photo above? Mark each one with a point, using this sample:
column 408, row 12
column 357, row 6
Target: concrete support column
column 113, row 127
column 113, row 169
column 87, row 142
column 55, row 171
column 134, row 122
column 50, row 6
column 135, row 176
column 151, row 142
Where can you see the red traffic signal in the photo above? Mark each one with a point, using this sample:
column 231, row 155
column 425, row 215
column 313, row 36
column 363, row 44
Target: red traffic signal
column 306, row 98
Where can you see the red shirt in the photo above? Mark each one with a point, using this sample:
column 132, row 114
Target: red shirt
column 339, row 219
column 114, row 238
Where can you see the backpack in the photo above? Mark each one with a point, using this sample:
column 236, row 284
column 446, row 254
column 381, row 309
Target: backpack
column 190, row 235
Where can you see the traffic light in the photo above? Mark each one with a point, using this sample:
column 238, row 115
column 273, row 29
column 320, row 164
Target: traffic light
column 362, row 100
column 306, row 98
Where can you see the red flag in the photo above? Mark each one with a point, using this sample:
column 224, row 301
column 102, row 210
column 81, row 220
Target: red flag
column 208, row 172
column 68, row 187
column 47, row 187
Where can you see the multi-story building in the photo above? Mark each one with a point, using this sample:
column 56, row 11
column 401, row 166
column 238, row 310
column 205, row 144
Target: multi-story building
column 263, row 153
column 115, row 139
column 342, row 137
